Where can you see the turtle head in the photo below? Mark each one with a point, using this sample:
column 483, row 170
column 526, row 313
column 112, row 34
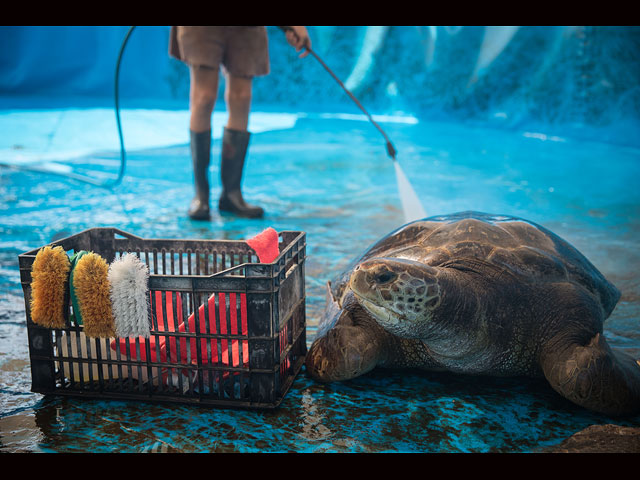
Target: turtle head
column 400, row 294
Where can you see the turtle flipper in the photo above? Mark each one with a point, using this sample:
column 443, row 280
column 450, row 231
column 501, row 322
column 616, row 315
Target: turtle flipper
column 345, row 352
column 595, row 376
column 353, row 345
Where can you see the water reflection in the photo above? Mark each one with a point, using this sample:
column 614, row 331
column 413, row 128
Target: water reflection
column 383, row 411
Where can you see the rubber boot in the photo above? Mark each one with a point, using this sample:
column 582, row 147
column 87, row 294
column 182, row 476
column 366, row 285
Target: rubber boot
column 201, row 156
column 234, row 150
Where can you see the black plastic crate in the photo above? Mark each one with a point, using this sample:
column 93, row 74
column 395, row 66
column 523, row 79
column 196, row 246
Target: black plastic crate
column 251, row 348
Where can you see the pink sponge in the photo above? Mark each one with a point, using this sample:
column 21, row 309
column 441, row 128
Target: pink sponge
column 265, row 245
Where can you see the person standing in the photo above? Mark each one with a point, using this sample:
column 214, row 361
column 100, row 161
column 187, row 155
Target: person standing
column 242, row 52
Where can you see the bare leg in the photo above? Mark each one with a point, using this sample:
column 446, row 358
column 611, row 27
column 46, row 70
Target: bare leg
column 202, row 97
column 237, row 96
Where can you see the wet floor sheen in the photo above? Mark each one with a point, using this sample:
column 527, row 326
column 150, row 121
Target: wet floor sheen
column 330, row 178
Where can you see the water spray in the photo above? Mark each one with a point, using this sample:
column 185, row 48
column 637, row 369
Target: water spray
column 411, row 205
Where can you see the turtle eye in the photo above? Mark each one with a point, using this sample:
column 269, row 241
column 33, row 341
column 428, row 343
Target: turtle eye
column 384, row 277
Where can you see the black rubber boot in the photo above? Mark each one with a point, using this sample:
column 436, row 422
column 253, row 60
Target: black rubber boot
column 234, row 150
column 201, row 156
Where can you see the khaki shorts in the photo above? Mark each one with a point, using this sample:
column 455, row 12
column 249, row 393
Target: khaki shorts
column 242, row 51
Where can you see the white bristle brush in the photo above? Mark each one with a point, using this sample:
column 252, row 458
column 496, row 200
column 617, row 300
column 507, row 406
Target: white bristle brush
column 129, row 280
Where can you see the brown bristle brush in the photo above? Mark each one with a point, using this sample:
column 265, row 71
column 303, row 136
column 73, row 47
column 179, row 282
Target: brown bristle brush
column 91, row 286
column 49, row 277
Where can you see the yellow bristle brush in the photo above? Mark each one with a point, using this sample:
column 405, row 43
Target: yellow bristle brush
column 91, row 286
column 49, row 277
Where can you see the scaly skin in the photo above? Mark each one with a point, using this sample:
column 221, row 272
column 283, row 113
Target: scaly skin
column 478, row 294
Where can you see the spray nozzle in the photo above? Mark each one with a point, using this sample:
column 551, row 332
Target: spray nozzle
column 391, row 151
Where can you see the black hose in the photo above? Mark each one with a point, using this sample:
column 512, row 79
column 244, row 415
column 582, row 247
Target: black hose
column 117, row 108
column 390, row 149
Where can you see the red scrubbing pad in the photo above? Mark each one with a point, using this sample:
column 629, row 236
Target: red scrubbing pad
column 266, row 245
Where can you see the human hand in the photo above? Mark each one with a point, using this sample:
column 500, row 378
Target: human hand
column 298, row 38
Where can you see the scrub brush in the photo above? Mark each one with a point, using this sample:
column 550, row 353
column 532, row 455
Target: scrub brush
column 49, row 277
column 91, row 286
column 128, row 280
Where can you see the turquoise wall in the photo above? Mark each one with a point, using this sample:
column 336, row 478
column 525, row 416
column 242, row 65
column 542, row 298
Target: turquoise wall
column 568, row 77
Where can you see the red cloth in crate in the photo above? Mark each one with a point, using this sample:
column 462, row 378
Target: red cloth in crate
column 221, row 356
column 166, row 323
column 265, row 245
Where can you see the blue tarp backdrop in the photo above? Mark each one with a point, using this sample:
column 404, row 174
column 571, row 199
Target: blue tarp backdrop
column 554, row 76
column 536, row 122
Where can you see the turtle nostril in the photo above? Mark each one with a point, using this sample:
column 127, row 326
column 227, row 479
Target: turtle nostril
column 385, row 276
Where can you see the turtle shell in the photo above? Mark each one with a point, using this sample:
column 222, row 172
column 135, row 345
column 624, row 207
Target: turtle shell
column 524, row 249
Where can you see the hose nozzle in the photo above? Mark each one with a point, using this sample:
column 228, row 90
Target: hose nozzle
column 391, row 151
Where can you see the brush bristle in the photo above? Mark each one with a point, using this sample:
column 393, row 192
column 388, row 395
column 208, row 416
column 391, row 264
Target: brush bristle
column 49, row 276
column 91, row 285
column 128, row 280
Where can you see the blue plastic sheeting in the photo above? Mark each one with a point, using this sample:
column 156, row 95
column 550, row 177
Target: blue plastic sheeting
column 554, row 77
column 58, row 135
column 321, row 167
column 68, row 62
column 331, row 178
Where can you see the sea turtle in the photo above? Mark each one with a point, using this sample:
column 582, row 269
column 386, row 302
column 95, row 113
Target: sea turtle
column 478, row 294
